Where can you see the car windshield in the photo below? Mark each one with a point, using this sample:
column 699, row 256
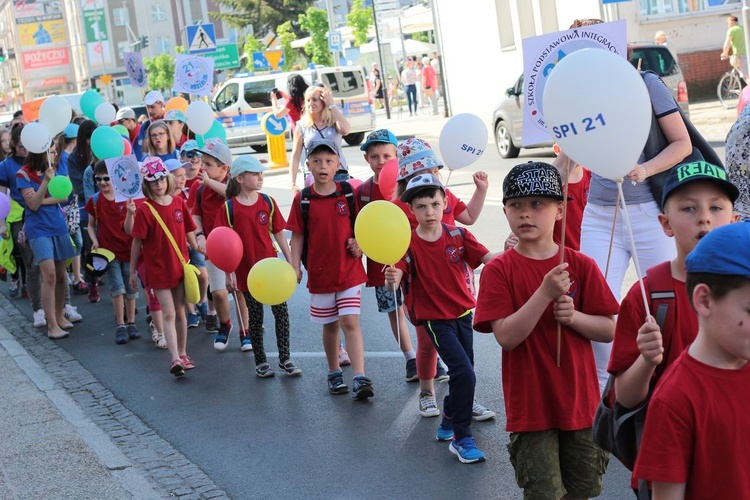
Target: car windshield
column 656, row 59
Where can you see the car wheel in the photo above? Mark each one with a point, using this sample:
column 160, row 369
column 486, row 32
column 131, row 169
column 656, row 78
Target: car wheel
column 260, row 148
column 504, row 141
column 354, row 139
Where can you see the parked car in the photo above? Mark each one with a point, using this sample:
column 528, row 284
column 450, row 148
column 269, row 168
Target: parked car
column 507, row 119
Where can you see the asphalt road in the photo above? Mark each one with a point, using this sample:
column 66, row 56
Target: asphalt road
column 287, row 436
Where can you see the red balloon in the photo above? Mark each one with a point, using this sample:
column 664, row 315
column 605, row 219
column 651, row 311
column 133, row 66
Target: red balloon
column 387, row 179
column 354, row 183
column 224, row 248
column 128, row 147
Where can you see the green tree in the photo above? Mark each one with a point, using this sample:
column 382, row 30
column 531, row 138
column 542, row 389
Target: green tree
column 286, row 37
column 262, row 15
column 359, row 19
column 315, row 22
column 160, row 72
column 251, row 45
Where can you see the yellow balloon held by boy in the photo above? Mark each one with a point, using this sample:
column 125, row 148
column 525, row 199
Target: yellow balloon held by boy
column 272, row 281
column 382, row 232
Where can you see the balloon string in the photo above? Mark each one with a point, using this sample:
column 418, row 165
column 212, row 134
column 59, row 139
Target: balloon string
column 449, row 177
column 566, row 187
column 612, row 236
column 398, row 321
column 633, row 249
column 237, row 305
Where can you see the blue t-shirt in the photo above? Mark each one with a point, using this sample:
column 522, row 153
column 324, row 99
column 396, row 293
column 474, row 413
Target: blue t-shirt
column 48, row 220
column 62, row 166
column 9, row 167
column 174, row 155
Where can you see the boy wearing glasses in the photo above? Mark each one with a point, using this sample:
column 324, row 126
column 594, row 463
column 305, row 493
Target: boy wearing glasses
column 109, row 226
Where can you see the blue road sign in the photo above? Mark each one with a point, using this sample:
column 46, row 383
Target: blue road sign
column 201, row 38
column 334, row 41
column 270, row 59
column 260, row 61
column 275, row 126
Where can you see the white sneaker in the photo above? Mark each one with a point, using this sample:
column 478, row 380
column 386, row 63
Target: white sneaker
column 428, row 405
column 71, row 312
column 39, row 318
column 479, row 413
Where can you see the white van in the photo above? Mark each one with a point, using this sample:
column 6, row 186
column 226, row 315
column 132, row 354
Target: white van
column 242, row 101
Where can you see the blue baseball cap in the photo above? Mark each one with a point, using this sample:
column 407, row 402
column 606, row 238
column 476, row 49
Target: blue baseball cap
column 382, row 136
column 70, row 131
column 190, row 145
column 685, row 173
column 173, row 164
column 246, row 163
column 324, row 143
column 725, row 251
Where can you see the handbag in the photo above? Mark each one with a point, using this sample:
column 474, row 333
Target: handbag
column 190, row 272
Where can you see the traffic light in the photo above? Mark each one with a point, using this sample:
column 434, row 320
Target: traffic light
column 144, row 41
column 2, row 54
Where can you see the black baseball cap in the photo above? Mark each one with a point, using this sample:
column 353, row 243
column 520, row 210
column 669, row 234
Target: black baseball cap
column 534, row 178
column 685, row 173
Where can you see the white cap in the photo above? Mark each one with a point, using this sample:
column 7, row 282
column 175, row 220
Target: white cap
column 124, row 113
column 153, row 97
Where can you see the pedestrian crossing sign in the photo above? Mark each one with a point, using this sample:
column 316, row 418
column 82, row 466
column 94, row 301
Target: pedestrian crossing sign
column 201, row 38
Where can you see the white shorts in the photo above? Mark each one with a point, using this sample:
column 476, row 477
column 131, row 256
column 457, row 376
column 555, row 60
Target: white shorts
column 217, row 279
column 328, row 307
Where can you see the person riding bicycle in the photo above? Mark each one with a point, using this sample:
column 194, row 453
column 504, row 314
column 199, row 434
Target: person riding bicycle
column 736, row 41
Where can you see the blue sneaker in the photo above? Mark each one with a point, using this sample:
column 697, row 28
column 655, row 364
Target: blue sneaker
column 202, row 310
column 221, row 339
column 466, row 450
column 245, row 344
column 336, row 383
column 362, row 387
column 193, row 320
column 444, row 433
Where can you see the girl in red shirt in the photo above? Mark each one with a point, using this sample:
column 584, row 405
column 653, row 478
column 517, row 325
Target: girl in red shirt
column 163, row 267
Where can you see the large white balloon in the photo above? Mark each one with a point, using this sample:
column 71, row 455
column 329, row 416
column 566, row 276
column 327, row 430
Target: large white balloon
column 36, row 138
column 55, row 114
column 462, row 140
column 199, row 117
column 598, row 110
column 105, row 113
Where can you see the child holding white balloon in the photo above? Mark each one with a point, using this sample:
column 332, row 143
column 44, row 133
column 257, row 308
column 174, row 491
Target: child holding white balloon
column 256, row 218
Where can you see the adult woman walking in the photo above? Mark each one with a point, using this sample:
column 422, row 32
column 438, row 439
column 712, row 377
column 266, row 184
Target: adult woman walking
column 738, row 161
column 295, row 100
column 322, row 119
column 377, row 90
column 409, row 79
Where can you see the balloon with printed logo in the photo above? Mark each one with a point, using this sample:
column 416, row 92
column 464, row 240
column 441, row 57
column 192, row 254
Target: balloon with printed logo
column 272, row 281
column 105, row 113
column 600, row 117
column 200, row 117
column 224, row 248
column 107, row 143
column 128, row 147
column 90, row 100
column 60, row 187
column 217, row 130
column 176, row 103
column 55, row 114
column 121, row 130
column 36, row 138
column 462, row 140
column 382, row 232
column 4, row 206
column 387, row 179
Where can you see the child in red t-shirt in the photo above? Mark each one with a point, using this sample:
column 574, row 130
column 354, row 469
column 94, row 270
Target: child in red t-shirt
column 163, row 267
column 256, row 217
column 380, row 147
column 439, row 268
column 107, row 219
column 695, row 442
column 523, row 294
column 697, row 199
column 334, row 264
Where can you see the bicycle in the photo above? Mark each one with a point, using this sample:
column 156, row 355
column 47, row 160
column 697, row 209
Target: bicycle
column 729, row 88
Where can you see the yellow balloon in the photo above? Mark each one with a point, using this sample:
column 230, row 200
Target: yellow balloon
column 272, row 281
column 382, row 232
column 177, row 103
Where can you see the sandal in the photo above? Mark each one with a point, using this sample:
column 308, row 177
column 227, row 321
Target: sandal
column 176, row 368
column 159, row 340
column 187, row 363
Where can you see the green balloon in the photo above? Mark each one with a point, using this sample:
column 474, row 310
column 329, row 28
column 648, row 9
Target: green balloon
column 216, row 131
column 107, row 143
column 122, row 131
column 200, row 141
column 60, row 187
column 89, row 101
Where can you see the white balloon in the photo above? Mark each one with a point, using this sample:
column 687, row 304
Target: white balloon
column 462, row 140
column 105, row 113
column 55, row 114
column 199, row 117
column 36, row 138
column 598, row 110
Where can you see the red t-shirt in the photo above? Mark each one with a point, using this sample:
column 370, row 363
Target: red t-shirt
column 428, row 77
column 371, row 189
column 696, row 430
column 251, row 222
column 538, row 394
column 453, row 208
column 163, row 267
column 330, row 266
column 294, row 113
column 579, row 194
column 442, row 277
column 189, row 185
column 110, row 217
column 208, row 208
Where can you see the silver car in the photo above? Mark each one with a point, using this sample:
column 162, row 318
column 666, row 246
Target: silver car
column 507, row 118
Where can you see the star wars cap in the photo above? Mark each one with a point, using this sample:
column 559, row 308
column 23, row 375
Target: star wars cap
column 532, row 179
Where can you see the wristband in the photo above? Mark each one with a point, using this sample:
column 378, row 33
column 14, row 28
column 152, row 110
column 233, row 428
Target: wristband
column 199, row 233
column 331, row 107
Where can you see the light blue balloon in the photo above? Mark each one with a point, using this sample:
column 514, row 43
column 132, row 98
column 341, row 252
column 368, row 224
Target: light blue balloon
column 216, row 131
column 107, row 143
column 89, row 101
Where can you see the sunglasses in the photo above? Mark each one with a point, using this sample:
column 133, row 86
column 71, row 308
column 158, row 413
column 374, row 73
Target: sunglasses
column 191, row 154
column 101, row 179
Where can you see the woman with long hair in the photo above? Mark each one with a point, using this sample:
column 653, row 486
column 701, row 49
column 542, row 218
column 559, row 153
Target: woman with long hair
column 160, row 142
column 322, row 119
column 295, row 99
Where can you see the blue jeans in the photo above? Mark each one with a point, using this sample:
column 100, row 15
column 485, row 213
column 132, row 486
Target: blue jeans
column 411, row 96
column 454, row 341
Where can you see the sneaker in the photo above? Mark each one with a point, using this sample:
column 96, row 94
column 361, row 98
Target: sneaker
column 159, row 340
column 81, row 288
column 411, row 370
column 428, row 405
column 39, row 318
column 13, row 288
column 202, row 310
column 344, row 357
column 336, row 383
column 441, row 374
column 245, row 344
column 466, row 450
column 133, row 332
column 121, row 334
column 362, row 388
column 263, row 370
column 212, row 323
column 94, row 293
column 193, row 320
column 479, row 413
column 445, row 430
column 187, row 363
column 176, row 368
column 221, row 339
column 72, row 314
column 290, row 368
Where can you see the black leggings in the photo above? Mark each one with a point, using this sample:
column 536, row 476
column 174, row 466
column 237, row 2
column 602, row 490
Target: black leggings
column 411, row 96
column 255, row 315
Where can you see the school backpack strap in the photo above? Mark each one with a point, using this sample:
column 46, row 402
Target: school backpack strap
column 364, row 199
column 663, row 304
column 229, row 207
column 304, row 200
column 199, row 194
column 348, row 192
